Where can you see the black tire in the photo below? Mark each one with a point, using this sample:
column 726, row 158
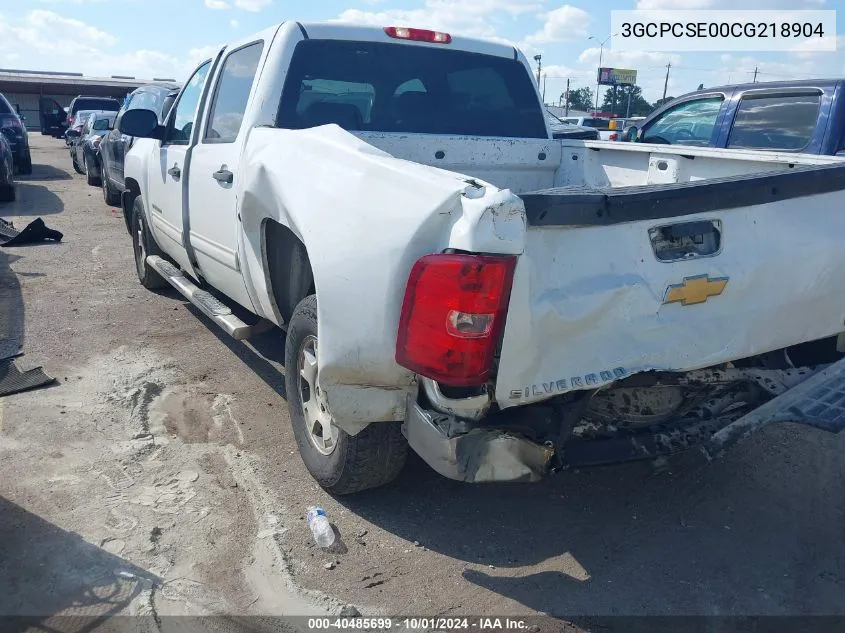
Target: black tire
column 25, row 164
column 111, row 197
column 76, row 166
column 92, row 173
column 372, row 458
column 7, row 193
column 143, row 245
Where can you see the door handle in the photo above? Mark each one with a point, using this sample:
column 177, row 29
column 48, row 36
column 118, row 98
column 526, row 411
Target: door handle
column 223, row 175
column 175, row 172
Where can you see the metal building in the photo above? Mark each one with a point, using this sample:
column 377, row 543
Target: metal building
column 25, row 89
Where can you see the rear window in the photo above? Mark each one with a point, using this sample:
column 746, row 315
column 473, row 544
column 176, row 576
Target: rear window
column 405, row 88
column 88, row 103
column 785, row 122
column 5, row 108
column 599, row 124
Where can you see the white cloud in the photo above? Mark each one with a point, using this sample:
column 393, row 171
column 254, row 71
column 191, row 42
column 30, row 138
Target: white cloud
column 474, row 18
column 655, row 5
column 252, row 5
column 53, row 42
column 564, row 23
column 216, row 5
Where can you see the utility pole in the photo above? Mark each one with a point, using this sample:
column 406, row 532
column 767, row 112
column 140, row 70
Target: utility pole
column 628, row 110
column 546, row 76
column 567, row 99
column 539, row 60
column 666, row 83
column 601, row 53
column 755, row 75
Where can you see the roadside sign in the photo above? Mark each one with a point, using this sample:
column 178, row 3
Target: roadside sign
column 617, row 77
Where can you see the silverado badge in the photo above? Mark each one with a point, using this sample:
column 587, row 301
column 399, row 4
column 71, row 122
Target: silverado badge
column 695, row 290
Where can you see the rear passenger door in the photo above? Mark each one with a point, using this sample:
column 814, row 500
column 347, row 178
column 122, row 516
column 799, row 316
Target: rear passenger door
column 213, row 219
column 782, row 120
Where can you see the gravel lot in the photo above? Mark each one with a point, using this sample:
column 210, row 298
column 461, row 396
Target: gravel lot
column 160, row 476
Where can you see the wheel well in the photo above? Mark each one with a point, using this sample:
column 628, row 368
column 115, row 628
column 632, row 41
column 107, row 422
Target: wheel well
column 131, row 190
column 288, row 267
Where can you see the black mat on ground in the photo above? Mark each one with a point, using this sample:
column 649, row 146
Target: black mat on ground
column 13, row 380
column 35, row 231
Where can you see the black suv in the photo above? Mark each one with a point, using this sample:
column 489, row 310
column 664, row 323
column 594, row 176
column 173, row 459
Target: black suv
column 103, row 104
column 12, row 127
column 158, row 97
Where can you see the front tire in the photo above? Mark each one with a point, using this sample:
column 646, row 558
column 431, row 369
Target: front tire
column 143, row 245
column 7, row 193
column 25, row 164
column 339, row 462
column 110, row 196
column 76, row 166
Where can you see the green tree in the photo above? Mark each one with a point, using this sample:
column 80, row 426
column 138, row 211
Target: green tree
column 616, row 101
column 581, row 99
column 660, row 102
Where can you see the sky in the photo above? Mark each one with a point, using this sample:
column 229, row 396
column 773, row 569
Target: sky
column 166, row 38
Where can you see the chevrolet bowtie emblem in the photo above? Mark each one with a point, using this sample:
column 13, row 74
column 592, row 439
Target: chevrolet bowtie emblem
column 695, row 290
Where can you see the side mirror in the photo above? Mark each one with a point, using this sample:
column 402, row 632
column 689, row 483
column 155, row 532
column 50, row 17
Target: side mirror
column 141, row 123
column 633, row 133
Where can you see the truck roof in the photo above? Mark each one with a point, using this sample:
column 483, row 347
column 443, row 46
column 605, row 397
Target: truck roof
column 340, row 31
column 795, row 83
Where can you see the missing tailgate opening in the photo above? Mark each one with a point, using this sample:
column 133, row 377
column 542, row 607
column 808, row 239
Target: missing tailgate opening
column 686, row 240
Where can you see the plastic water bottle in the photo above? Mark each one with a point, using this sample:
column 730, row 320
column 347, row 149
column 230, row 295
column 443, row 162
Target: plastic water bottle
column 320, row 526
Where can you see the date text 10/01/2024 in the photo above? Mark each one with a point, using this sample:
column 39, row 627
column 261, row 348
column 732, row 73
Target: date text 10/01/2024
column 421, row 624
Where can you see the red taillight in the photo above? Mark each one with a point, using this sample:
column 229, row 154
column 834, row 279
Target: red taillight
column 419, row 35
column 613, row 137
column 453, row 315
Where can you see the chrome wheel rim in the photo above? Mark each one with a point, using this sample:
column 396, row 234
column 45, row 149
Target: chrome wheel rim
column 140, row 251
column 322, row 433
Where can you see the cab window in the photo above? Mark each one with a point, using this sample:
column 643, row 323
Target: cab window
column 230, row 98
column 688, row 123
column 784, row 122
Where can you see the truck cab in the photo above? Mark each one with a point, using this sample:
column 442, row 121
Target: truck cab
column 806, row 116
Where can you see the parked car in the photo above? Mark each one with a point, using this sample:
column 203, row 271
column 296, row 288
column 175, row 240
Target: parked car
column 74, row 135
column 599, row 123
column 84, row 103
column 561, row 129
column 7, row 171
column 622, row 127
column 13, row 128
column 453, row 282
column 87, row 147
column 806, row 116
column 75, row 130
column 52, row 116
column 157, row 97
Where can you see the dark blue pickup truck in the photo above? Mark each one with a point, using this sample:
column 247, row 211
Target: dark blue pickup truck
column 806, row 116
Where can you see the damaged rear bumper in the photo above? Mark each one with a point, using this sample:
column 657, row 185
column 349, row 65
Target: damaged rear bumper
column 479, row 454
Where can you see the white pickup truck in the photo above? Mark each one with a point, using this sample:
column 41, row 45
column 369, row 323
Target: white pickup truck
column 452, row 279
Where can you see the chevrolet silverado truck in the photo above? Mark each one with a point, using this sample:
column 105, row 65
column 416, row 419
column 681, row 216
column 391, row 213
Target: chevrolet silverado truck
column 452, row 279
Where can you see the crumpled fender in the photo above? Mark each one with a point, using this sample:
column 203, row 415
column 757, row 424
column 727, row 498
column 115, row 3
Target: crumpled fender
column 365, row 217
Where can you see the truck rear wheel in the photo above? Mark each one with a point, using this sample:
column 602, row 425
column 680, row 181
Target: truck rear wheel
column 341, row 463
column 144, row 245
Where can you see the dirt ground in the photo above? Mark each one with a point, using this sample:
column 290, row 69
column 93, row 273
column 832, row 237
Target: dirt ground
column 160, row 476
